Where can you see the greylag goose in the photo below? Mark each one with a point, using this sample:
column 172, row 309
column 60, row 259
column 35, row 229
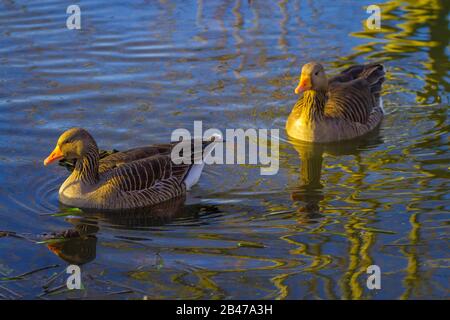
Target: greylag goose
column 136, row 178
column 341, row 108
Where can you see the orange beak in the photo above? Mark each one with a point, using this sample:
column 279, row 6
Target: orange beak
column 304, row 84
column 55, row 155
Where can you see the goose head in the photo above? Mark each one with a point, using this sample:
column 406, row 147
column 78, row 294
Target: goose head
column 313, row 77
column 73, row 144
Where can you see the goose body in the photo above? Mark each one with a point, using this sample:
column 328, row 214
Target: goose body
column 136, row 178
column 341, row 108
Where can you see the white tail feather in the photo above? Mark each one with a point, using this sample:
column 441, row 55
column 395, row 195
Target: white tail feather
column 196, row 170
column 381, row 105
column 193, row 175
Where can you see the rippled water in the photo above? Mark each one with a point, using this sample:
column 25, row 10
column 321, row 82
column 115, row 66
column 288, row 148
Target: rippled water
column 135, row 72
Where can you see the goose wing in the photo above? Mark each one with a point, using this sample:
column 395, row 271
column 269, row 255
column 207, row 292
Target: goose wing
column 144, row 182
column 355, row 92
column 146, row 173
column 120, row 158
column 154, row 165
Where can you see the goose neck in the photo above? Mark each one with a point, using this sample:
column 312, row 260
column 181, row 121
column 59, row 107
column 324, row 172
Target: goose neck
column 86, row 168
column 313, row 105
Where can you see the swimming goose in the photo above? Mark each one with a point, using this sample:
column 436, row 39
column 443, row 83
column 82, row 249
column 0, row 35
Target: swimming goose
column 136, row 178
column 341, row 108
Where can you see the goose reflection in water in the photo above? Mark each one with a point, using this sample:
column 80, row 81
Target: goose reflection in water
column 75, row 246
column 310, row 187
column 78, row 245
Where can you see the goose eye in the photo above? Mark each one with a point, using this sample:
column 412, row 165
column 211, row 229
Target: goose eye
column 317, row 73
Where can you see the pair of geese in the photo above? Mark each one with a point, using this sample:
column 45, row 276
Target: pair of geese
column 341, row 108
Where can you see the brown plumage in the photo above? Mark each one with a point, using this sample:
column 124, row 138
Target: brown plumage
column 341, row 108
column 136, row 178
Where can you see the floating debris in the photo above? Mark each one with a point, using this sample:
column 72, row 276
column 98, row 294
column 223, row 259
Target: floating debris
column 23, row 275
column 10, row 291
column 248, row 244
column 53, row 290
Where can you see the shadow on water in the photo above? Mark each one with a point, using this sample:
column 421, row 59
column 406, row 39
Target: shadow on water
column 310, row 188
column 77, row 245
column 313, row 212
